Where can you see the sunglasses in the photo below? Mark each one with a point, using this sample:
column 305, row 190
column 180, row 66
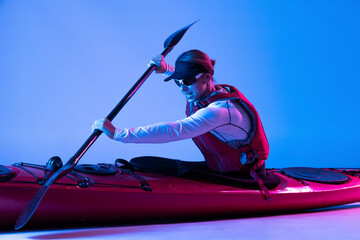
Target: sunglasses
column 187, row 81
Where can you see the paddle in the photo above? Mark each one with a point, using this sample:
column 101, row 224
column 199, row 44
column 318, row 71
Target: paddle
column 30, row 208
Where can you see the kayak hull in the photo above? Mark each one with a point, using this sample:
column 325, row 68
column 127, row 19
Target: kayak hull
column 118, row 198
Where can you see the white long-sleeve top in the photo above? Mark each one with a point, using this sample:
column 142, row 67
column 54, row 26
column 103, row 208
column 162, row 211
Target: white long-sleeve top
column 226, row 119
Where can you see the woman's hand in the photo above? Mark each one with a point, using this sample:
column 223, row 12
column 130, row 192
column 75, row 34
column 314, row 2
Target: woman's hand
column 160, row 63
column 105, row 126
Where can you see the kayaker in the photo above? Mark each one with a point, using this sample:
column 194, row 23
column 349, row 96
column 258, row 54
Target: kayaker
column 221, row 121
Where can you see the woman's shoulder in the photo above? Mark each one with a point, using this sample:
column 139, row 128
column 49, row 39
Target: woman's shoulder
column 214, row 112
column 230, row 107
column 222, row 104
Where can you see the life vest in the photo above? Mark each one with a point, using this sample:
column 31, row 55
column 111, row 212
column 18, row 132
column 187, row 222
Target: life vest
column 238, row 155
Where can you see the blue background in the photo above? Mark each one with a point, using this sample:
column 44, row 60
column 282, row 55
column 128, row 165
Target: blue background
column 64, row 64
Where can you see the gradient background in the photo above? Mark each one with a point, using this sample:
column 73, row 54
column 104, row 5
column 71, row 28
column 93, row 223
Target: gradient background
column 64, row 64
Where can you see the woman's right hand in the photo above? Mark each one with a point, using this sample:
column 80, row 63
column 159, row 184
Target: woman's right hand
column 160, row 63
column 105, row 126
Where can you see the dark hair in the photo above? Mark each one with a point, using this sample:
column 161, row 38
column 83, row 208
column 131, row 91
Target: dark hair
column 198, row 57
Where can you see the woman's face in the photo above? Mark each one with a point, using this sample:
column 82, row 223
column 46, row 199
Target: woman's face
column 195, row 91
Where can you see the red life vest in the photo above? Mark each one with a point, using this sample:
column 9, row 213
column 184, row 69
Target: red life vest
column 226, row 157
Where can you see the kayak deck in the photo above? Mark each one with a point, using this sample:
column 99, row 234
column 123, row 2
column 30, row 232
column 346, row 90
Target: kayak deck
column 81, row 198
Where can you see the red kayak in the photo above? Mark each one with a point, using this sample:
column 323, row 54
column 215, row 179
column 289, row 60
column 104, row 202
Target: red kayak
column 159, row 188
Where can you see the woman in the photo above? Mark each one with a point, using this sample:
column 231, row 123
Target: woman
column 221, row 121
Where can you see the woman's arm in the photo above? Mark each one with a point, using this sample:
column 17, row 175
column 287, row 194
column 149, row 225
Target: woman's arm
column 202, row 121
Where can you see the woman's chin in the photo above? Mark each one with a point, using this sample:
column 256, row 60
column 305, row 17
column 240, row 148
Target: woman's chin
column 191, row 99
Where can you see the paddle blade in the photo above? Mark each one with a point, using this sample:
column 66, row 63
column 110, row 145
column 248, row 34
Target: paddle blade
column 174, row 38
column 30, row 208
column 35, row 201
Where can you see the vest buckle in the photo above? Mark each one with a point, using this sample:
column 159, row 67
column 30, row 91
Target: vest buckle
column 245, row 159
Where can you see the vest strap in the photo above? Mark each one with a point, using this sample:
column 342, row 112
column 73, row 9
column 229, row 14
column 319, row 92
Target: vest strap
column 220, row 96
column 263, row 189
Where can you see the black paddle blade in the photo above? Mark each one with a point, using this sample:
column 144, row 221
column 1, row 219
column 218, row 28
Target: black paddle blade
column 174, row 38
column 32, row 205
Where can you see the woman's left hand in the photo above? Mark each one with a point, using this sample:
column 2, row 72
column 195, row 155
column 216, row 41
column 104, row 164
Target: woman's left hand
column 160, row 63
column 105, row 126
